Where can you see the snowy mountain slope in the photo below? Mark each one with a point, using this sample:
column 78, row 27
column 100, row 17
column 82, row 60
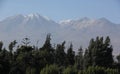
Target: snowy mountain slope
column 84, row 29
column 28, row 21
column 78, row 31
column 23, row 25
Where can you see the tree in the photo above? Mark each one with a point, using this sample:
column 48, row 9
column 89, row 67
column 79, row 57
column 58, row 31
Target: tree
column 111, row 71
column 70, row 55
column 60, row 54
column 118, row 62
column 24, row 49
column 26, row 41
column 30, row 70
column 47, row 47
column 1, row 45
column 4, row 62
column 106, row 52
column 12, row 45
column 118, row 58
column 70, row 70
column 88, row 58
column 79, row 58
column 99, row 52
column 97, row 58
column 16, row 69
column 52, row 69
column 98, row 70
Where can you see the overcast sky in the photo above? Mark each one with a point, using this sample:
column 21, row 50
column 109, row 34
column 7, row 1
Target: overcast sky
column 63, row 9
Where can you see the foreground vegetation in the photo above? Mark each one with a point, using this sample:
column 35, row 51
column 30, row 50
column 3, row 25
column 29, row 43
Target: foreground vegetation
column 28, row 59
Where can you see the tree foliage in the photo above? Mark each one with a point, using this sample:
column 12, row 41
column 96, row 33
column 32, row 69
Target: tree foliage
column 99, row 53
column 52, row 69
column 97, row 58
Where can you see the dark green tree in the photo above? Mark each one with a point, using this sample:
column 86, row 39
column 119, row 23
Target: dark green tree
column 47, row 47
column 4, row 62
column 118, row 58
column 70, row 55
column 60, row 54
column 26, row 59
column 100, row 53
column 106, row 52
column 70, row 70
column 88, row 58
column 12, row 45
column 52, row 69
column 26, row 41
column 16, row 69
column 1, row 45
column 79, row 58
column 30, row 70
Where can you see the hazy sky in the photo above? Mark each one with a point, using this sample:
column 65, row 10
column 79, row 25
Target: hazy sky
column 63, row 9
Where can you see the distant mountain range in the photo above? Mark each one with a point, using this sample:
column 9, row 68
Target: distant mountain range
column 78, row 31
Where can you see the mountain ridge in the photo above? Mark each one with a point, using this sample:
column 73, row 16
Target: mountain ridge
column 78, row 31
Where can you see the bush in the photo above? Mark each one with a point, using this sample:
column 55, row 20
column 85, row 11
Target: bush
column 70, row 70
column 30, row 70
column 112, row 71
column 52, row 69
column 98, row 70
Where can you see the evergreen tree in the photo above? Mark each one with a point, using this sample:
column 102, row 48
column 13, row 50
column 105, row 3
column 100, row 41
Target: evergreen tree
column 16, row 69
column 25, row 59
column 118, row 58
column 52, row 69
column 47, row 45
column 26, row 41
column 88, row 58
column 4, row 62
column 60, row 54
column 30, row 70
column 70, row 70
column 70, row 55
column 79, row 58
column 12, row 45
column 100, row 53
column 1, row 45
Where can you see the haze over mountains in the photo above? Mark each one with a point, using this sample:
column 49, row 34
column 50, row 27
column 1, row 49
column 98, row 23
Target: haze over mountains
column 78, row 31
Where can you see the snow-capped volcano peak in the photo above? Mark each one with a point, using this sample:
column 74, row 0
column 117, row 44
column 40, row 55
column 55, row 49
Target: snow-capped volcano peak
column 33, row 15
column 37, row 16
